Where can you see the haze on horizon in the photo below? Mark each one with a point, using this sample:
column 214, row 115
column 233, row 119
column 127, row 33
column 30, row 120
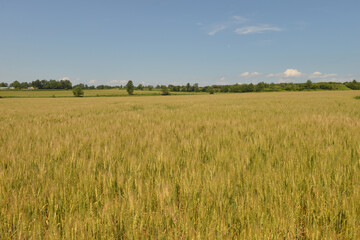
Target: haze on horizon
column 175, row 42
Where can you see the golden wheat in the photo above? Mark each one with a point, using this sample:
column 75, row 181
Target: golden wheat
column 243, row 166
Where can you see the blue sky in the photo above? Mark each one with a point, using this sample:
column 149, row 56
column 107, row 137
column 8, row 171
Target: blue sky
column 175, row 42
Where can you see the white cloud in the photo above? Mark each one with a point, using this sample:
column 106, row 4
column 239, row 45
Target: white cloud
column 92, row 81
column 118, row 81
column 216, row 29
column 256, row 29
column 317, row 76
column 234, row 20
column 292, row 73
column 322, row 75
column 245, row 74
column 330, row 75
column 239, row 19
column 64, row 78
column 288, row 73
column 248, row 74
column 222, row 79
column 113, row 81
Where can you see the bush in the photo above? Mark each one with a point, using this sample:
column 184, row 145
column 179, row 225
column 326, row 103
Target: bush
column 164, row 90
column 211, row 90
column 78, row 92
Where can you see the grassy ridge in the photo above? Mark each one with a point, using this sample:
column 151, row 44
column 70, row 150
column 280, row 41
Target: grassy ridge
column 245, row 166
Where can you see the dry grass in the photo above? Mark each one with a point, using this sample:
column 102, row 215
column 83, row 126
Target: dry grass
column 243, row 166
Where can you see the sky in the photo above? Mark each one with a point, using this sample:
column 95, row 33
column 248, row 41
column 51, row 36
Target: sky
column 176, row 42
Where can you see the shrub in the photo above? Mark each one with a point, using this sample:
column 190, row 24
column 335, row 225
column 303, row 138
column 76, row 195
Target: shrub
column 164, row 90
column 211, row 90
column 78, row 92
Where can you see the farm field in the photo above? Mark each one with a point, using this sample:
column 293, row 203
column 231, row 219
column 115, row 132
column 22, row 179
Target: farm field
column 223, row 166
column 87, row 93
column 69, row 93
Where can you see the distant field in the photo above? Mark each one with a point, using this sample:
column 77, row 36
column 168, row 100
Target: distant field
column 87, row 93
column 224, row 166
column 69, row 93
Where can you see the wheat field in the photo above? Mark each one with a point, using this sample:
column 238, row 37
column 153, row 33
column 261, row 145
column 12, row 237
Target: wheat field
column 228, row 166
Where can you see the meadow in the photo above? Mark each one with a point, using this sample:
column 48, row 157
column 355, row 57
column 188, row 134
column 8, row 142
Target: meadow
column 282, row 165
column 52, row 93
column 69, row 93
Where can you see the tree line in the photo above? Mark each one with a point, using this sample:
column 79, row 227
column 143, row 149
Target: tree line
column 40, row 84
column 235, row 88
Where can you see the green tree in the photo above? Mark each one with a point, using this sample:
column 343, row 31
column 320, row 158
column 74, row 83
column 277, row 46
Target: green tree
column 24, row 85
column 78, row 92
column 16, row 84
column 211, row 90
column 188, row 87
column 65, row 84
column 260, row 87
column 140, row 87
column 196, row 88
column 164, row 90
column 308, row 84
column 353, row 85
column 130, row 87
column 37, row 84
column 3, row 84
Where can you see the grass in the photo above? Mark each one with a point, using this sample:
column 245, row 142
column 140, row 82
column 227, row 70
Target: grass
column 69, row 93
column 241, row 166
column 87, row 93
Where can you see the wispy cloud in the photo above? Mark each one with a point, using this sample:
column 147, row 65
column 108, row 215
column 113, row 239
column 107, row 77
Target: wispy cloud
column 239, row 19
column 272, row 75
column 322, row 75
column 113, row 81
column 294, row 75
column 233, row 21
column 249, row 74
column 216, row 30
column 92, row 81
column 117, row 82
column 234, row 24
column 256, row 29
